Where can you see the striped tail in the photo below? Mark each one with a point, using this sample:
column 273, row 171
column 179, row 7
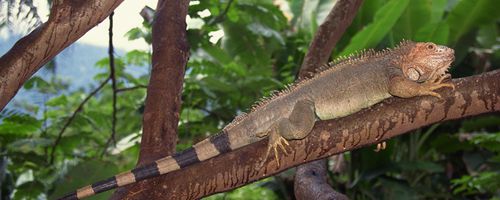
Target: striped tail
column 201, row 151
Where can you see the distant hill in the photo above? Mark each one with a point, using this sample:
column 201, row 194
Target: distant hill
column 75, row 64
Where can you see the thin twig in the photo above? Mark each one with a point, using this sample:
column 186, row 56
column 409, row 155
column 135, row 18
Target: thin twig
column 220, row 17
column 77, row 110
column 112, row 75
column 131, row 88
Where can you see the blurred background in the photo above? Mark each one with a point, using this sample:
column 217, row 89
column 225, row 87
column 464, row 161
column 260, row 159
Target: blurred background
column 242, row 50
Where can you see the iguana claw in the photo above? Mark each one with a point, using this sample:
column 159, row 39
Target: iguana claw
column 430, row 86
column 380, row 146
column 275, row 141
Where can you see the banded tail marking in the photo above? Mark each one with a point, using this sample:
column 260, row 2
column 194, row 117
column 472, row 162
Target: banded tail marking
column 85, row 192
column 206, row 149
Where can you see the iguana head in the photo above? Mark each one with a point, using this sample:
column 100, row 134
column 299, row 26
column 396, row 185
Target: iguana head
column 424, row 61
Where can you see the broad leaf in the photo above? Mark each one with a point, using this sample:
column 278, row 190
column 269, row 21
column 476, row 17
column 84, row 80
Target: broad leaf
column 372, row 34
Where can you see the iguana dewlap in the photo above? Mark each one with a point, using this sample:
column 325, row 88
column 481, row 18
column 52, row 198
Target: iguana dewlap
column 340, row 89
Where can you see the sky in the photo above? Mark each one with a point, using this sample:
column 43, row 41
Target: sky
column 122, row 22
column 125, row 18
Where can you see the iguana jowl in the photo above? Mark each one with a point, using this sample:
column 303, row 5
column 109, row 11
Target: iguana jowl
column 340, row 89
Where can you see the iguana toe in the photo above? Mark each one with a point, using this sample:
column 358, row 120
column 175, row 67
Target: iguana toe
column 442, row 85
column 275, row 141
column 282, row 143
column 380, row 146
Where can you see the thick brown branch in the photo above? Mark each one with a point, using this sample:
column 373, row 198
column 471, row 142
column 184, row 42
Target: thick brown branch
column 329, row 33
column 473, row 95
column 68, row 21
column 314, row 174
column 163, row 101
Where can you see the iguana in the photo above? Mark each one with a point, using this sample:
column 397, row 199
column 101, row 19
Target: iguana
column 339, row 89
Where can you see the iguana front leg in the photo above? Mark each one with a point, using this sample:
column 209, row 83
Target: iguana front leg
column 294, row 127
column 404, row 88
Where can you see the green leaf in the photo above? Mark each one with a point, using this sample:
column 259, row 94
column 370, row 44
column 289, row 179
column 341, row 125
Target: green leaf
column 29, row 144
column 191, row 115
column 371, row 35
column 446, row 144
column 467, row 15
column 36, row 82
column 137, row 57
column 29, row 190
column 217, row 53
column 265, row 31
column 437, row 33
column 19, row 125
column 103, row 63
column 134, row 33
column 487, row 35
column 489, row 141
column 481, row 122
column 58, row 101
column 481, row 183
column 83, row 174
column 216, row 84
column 437, row 10
column 254, row 191
column 416, row 14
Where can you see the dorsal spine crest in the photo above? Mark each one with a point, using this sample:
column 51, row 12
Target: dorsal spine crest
column 358, row 57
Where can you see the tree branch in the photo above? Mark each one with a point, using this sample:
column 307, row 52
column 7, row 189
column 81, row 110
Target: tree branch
column 112, row 76
column 163, row 100
column 395, row 116
column 329, row 33
column 131, row 88
column 314, row 174
column 68, row 19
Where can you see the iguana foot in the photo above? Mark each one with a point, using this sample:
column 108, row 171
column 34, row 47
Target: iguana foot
column 380, row 146
column 442, row 78
column 428, row 88
column 275, row 141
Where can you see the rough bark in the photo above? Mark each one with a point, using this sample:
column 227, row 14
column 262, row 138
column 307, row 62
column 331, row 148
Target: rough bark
column 163, row 101
column 329, row 33
column 68, row 21
column 315, row 174
column 473, row 95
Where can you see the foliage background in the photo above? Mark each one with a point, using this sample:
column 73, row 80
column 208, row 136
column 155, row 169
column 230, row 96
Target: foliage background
column 262, row 48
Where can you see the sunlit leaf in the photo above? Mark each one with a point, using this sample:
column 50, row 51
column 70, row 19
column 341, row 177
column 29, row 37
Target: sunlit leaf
column 19, row 125
column 35, row 82
column 61, row 100
column 137, row 58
